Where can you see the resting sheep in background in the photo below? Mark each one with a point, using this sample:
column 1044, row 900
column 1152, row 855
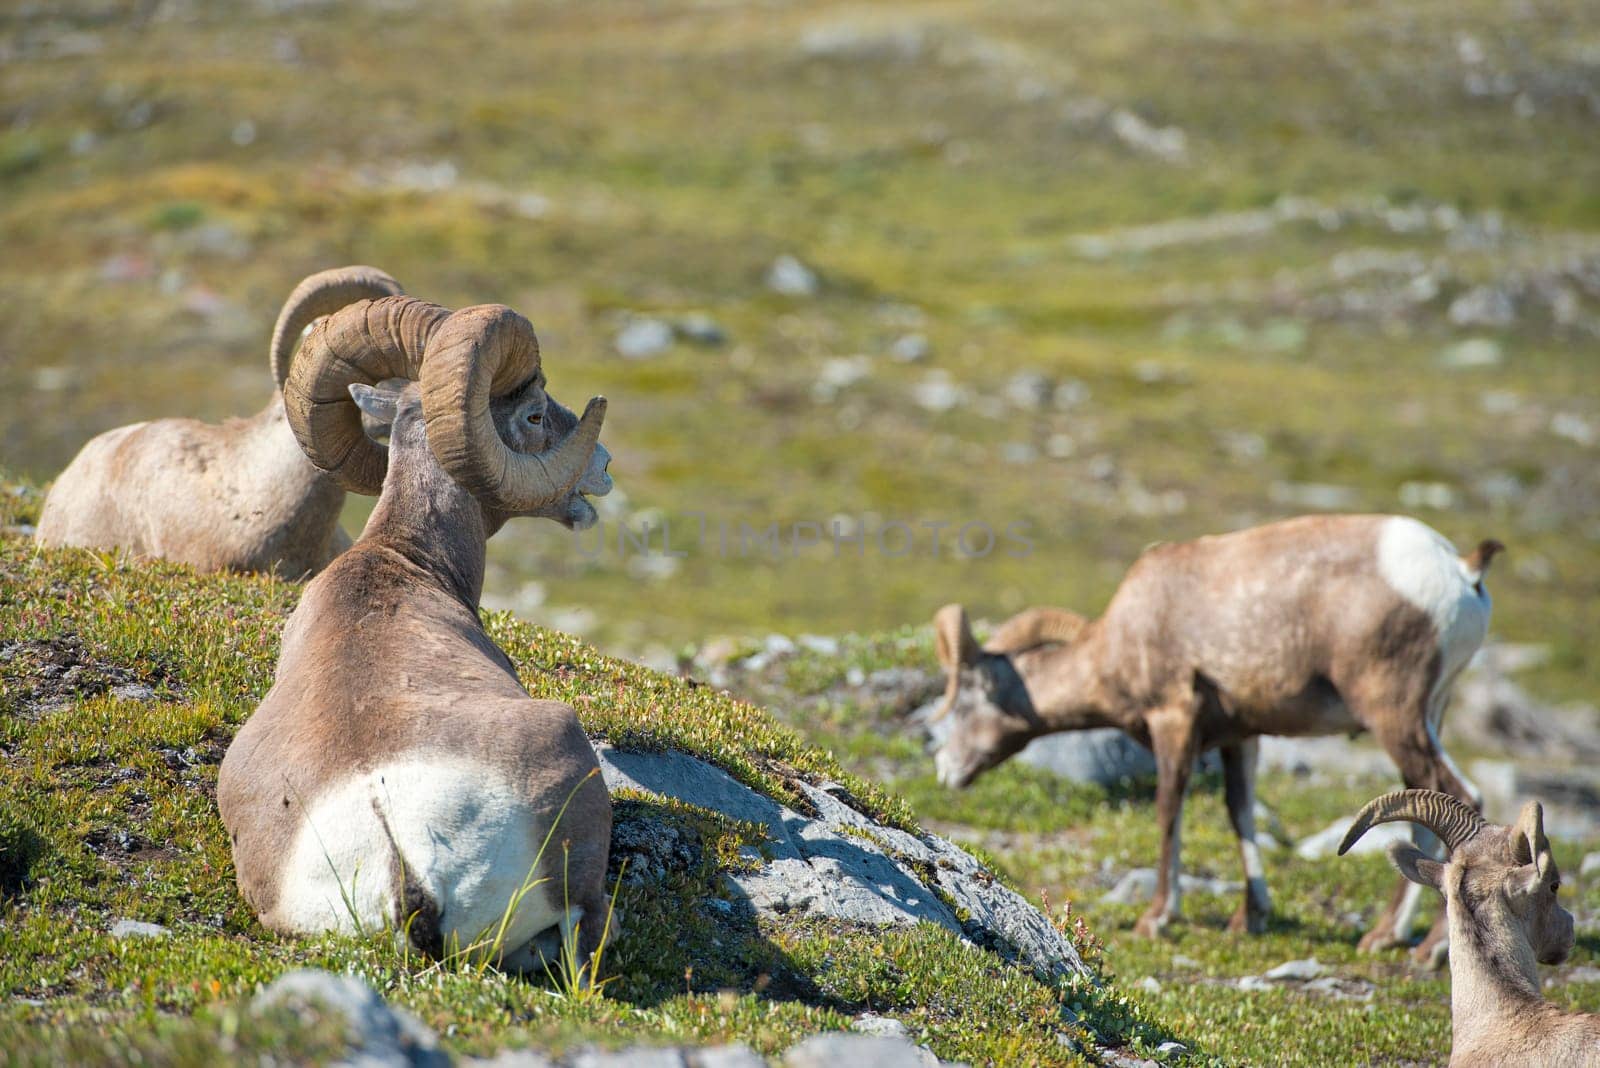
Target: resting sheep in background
column 240, row 496
column 1499, row 886
column 1316, row 625
column 397, row 773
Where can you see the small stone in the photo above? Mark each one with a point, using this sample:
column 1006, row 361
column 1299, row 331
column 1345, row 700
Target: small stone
column 1181, row 961
column 133, row 691
column 643, row 338
column 1150, row 985
column 1169, row 1048
column 792, row 278
column 735, row 1056
column 1574, row 428
column 138, row 929
column 872, row 1024
column 910, row 348
column 636, row 1057
column 835, row 1048
column 1440, row 496
column 1590, row 865
column 382, row 1035
column 1295, row 970
column 700, row 329
column 816, row 643
column 936, row 393
column 1483, row 306
column 1069, row 395
column 1473, row 352
column 1253, row 982
column 1028, row 390
column 244, row 133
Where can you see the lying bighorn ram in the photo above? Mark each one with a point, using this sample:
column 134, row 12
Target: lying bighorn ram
column 1499, row 886
column 236, row 497
column 1316, row 625
column 397, row 772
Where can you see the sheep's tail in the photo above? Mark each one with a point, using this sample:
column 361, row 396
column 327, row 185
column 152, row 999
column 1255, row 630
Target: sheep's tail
column 1477, row 561
column 416, row 912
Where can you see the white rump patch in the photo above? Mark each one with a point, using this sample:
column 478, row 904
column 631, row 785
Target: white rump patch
column 466, row 837
column 1423, row 567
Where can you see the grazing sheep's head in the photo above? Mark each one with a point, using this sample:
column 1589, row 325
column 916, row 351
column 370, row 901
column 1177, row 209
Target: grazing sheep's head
column 991, row 714
column 1502, row 879
column 483, row 406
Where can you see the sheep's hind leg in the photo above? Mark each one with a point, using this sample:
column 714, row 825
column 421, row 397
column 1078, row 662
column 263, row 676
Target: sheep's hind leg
column 1411, row 742
column 1239, row 786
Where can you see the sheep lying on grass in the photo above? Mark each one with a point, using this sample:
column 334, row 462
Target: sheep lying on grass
column 1499, row 886
column 1318, row 625
column 397, row 774
column 240, row 496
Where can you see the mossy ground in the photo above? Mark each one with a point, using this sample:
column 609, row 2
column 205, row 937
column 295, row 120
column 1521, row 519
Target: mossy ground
column 107, row 811
column 1060, row 842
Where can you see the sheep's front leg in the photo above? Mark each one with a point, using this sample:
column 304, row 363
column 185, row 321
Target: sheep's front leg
column 1239, row 786
column 1173, row 738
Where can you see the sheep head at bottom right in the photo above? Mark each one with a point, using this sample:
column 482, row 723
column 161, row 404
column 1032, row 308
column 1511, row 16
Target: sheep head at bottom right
column 1500, row 886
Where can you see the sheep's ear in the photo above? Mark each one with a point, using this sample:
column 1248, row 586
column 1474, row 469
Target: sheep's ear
column 1416, row 865
column 376, row 401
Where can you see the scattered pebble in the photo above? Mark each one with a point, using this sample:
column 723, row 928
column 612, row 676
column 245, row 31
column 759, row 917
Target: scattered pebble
column 1296, row 970
column 643, row 338
column 910, row 348
column 138, row 929
column 792, row 278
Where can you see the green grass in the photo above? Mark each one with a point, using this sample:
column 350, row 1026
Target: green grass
column 679, row 151
column 1062, row 843
column 107, row 811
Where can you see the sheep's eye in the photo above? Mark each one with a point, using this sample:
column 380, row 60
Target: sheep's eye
column 1555, row 887
column 535, row 418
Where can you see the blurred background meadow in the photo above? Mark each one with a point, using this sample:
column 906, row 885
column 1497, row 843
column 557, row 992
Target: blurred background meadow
column 1115, row 272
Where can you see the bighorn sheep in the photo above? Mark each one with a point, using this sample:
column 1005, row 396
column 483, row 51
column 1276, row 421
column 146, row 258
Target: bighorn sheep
column 236, row 497
column 1315, row 625
column 1499, row 886
column 397, row 772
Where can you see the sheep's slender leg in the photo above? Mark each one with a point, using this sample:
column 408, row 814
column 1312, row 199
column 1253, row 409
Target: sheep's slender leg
column 1174, row 739
column 1239, row 786
column 1411, row 743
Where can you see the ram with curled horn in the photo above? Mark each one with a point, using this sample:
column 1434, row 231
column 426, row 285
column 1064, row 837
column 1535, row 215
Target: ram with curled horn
column 397, row 773
column 240, row 496
column 1501, row 898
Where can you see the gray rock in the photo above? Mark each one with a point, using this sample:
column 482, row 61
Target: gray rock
column 138, row 929
column 636, row 1057
column 1294, row 970
column 1139, row 885
column 134, row 691
column 735, row 1056
column 1319, row 496
column 512, row 1058
column 1150, row 985
column 1483, row 306
column 701, row 329
column 1471, row 353
column 380, row 1037
column 792, row 278
column 872, row 1024
column 1167, row 1049
column 1104, row 757
column 836, row 1049
column 1590, row 865
column 843, row 865
column 1325, row 843
column 937, row 393
column 910, row 348
column 1028, row 390
column 643, row 338
column 1253, row 983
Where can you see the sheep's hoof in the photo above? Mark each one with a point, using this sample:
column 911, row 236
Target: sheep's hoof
column 1432, row 954
column 1248, row 921
column 1152, row 924
column 1379, row 939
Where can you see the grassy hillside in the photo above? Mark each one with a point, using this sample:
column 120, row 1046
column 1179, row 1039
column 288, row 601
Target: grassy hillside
column 1170, row 264
column 120, row 688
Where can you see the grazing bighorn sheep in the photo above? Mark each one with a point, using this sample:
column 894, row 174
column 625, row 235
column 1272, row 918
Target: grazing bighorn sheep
column 236, row 497
column 397, row 772
column 1499, row 886
column 1315, row 625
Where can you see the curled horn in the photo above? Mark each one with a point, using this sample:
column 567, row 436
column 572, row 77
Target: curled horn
column 1033, row 627
column 318, row 295
column 953, row 640
column 482, row 352
column 1530, row 843
column 1449, row 817
column 367, row 342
